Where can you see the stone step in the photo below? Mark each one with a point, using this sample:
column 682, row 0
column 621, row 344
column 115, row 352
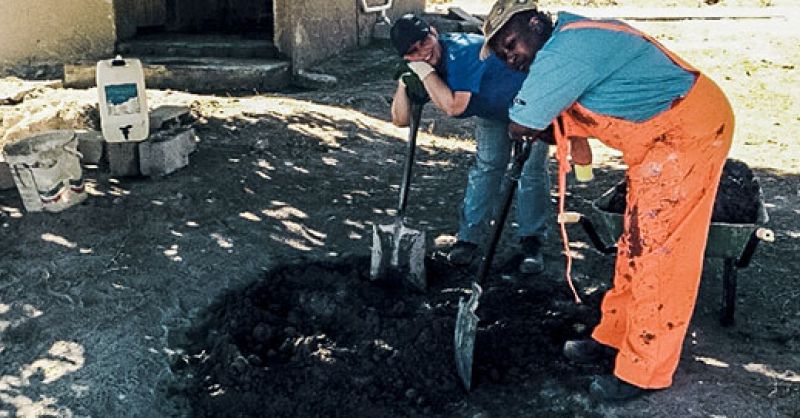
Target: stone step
column 196, row 74
column 221, row 46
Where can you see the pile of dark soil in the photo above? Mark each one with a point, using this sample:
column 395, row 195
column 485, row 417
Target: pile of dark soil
column 737, row 201
column 320, row 339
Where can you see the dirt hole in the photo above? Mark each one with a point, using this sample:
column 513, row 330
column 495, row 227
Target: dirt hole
column 320, row 339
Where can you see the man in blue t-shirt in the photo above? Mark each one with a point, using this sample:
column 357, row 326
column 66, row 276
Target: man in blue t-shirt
column 462, row 85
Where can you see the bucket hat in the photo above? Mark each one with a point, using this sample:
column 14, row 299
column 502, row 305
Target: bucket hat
column 501, row 13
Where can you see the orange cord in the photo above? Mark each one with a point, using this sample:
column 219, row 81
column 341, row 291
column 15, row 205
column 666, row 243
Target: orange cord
column 562, row 153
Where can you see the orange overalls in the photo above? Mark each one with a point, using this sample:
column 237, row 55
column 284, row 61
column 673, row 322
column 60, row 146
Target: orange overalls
column 674, row 163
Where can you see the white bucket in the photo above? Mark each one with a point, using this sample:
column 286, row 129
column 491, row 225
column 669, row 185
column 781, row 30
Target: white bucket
column 47, row 171
column 123, row 100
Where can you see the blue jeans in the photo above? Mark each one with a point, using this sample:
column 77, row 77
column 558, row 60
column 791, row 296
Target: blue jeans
column 483, row 194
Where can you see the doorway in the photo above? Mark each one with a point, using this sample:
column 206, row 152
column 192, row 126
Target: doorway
column 249, row 18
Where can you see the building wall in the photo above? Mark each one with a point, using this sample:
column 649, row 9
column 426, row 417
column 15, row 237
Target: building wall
column 57, row 31
column 311, row 30
column 52, row 31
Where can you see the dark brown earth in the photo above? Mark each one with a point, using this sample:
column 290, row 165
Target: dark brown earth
column 125, row 305
column 322, row 331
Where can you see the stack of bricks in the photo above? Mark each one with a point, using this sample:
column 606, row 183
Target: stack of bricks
column 165, row 151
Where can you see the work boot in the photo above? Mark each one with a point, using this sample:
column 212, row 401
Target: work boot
column 611, row 388
column 532, row 260
column 462, row 253
column 587, row 351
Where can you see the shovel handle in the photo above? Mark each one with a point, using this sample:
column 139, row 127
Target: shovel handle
column 416, row 114
column 521, row 153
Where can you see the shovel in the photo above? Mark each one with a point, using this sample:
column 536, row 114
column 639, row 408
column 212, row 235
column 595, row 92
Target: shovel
column 398, row 252
column 467, row 320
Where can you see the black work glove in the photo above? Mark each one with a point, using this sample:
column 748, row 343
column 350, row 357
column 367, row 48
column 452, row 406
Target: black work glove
column 414, row 88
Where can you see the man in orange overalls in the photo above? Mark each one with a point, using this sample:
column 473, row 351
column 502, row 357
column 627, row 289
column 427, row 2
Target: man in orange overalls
column 674, row 126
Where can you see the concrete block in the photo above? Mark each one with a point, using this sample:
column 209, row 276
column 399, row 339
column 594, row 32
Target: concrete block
column 168, row 116
column 123, row 158
column 199, row 46
column 469, row 23
column 80, row 76
column 200, row 75
column 314, row 81
column 381, row 31
column 167, row 151
column 6, row 179
column 90, row 145
column 471, row 27
column 442, row 23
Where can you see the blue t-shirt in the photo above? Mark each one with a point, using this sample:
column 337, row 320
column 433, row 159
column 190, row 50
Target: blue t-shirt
column 608, row 72
column 493, row 84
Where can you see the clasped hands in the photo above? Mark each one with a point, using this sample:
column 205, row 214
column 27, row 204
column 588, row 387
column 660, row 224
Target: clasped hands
column 523, row 133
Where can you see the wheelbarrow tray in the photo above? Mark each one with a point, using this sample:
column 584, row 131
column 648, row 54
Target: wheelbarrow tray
column 725, row 240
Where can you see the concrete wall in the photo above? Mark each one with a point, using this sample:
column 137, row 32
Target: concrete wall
column 311, row 30
column 56, row 31
column 51, row 31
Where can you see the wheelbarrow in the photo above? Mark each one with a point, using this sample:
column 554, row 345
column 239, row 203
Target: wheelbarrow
column 733, row 242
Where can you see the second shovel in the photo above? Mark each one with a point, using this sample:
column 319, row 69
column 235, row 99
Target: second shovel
column 467, row 320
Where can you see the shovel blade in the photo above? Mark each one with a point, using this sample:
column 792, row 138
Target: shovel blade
column 466, row 330
column 398, row 254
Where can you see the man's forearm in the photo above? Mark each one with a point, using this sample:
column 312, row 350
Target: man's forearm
column 401, row 106
column 580, row 150
column 453, row 104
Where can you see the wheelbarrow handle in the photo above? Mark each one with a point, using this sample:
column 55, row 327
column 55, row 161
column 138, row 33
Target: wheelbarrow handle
column 521, row 153
column 416, row 114
column 760, row 234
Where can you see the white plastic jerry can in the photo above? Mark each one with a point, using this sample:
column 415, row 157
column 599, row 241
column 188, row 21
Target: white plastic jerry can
column 123, row 100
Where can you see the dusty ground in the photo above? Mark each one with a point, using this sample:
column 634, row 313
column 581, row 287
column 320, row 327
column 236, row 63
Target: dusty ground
column 101, row 306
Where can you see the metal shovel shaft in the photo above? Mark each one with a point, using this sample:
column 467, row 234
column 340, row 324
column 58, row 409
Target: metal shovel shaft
column 416, row 115
column 497, row 230
column 467, row 320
